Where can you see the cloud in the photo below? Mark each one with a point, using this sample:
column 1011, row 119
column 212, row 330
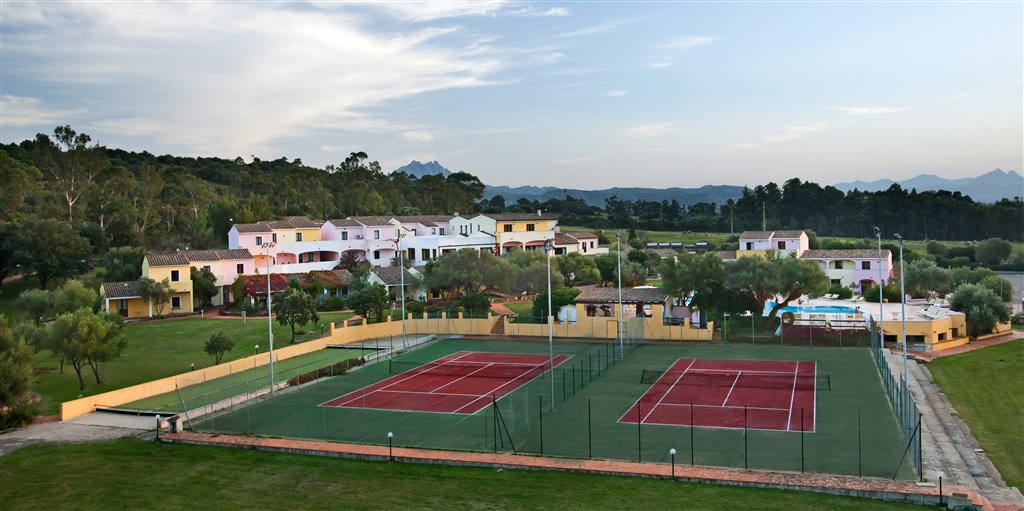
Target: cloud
column 959, row 95
column 28, row 111
column 434, row 10
column 676, row 47
column 868, row 110
column 616, row 93
column 649, row 130
column 581, row 160
column 607, row 26
column 791, row 132
column 418, row 136
column 336, row 149
column 529, row 11
column 279, row 70
column 742, row 146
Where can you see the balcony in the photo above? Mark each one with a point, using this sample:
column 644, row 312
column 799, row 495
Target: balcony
column 298, row 267
column 524, row 237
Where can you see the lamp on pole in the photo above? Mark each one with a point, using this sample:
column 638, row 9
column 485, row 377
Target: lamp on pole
column 401, row 273
column 548, row 245
column 270, row 321
column 881, row 310
column 618, row 248
column 903, row 313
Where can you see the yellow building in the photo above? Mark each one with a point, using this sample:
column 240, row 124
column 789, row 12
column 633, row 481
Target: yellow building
column 125, row 298
column 523, row 231
column 176, row 269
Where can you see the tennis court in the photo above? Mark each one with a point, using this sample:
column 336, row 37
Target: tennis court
column 464, row 382
column 752, row 394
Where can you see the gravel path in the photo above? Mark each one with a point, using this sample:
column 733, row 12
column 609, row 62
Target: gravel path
column 87, row 428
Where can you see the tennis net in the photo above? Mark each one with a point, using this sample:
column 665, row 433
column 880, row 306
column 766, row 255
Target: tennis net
column 737, row 378
column 473, row 369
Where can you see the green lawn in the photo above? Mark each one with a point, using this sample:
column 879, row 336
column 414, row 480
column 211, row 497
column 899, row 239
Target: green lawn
column 10, row 292
column 525, row 311
column 132, row 474
column 157, row 349
column 987, row 389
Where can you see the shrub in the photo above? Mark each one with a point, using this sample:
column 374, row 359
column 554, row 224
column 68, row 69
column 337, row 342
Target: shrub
column 891, row 292
column 843, row 291
column 331, row 370
column 333, row 303
column 475, row 302
column 415, row 307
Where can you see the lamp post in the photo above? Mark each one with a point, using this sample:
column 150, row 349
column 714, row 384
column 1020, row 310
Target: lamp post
column 158, row 426
column 401, row 273
column 257, row 349
column 548, row 245
column 725, row 330
column 391, row 456
column 903, row 313
column 618, row 248
column 672, row 452
column 270, row 321
column 881, row 283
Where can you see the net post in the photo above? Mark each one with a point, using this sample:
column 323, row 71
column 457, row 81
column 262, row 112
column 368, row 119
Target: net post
column 639, row 441
column 745, row 465
column 801, row 440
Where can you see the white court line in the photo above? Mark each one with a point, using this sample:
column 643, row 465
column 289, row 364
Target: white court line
column 511, row 380
column 730, row 406
column 426, row 393
column 652, row 386
column 738, row 374
column 392, row 383
column 461, row 378
column 666, row 392
column 792, row 397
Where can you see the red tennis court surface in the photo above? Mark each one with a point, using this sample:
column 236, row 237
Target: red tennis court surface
column 772, row 394
column 464, row 382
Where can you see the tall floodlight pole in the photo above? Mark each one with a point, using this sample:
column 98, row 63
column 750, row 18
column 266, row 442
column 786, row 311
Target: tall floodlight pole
column 881, row 283
column 903, row 312
column 401, row 273
column 618, row 248
column 270, row 321
column 548, row 245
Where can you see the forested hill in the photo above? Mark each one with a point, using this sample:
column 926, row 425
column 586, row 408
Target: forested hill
column 718, row 194
column 111, row 197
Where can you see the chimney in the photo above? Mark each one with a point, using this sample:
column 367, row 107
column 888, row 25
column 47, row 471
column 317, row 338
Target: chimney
column 456, row 213
column 538, row 213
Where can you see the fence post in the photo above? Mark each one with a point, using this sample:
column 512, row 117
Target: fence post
column 860, row 457
column 691, row 433
column 801, row 440
column 540, row 415
column 590, row 433
column 745, row 437
column 639, row 441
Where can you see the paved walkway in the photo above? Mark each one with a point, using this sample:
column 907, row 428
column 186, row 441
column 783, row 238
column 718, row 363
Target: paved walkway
column 928, row 356
column 86, row 428
column 837, row 485
column 502, row 310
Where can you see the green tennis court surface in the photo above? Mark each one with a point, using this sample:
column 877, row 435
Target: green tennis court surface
column 574, row 411
column 197, row 391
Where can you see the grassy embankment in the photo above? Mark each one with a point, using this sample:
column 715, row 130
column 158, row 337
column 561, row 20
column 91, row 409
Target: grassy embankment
column 137, row 475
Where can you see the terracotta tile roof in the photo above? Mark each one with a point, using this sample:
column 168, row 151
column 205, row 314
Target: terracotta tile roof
column 756, row 235
column 122, row 289
column 331, row 279
column 789, row 234
column 172, row 259
column 256, row 285
column 249, row 228
column 391, row 275
column 373, row 221
column 868, row 253
column 303, row 222
column 611, row 295
column 726, row 254
column 427, row 220
column 580, row 235
column 280, row 224
column 290, row 222
column 565, row 239
column 518, row 217
column 216, row 255
column 345, row 222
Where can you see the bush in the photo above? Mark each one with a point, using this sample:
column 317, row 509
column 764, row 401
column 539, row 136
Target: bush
column 891, row 293
column 333, row 303
column 18, row 414
column 475, row 302
column 331, row 370
column 844, row 292
column 415, row 307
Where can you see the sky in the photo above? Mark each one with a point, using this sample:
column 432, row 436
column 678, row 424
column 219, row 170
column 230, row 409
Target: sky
column 584, row 95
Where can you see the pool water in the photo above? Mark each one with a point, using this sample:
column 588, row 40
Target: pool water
column 811, row 309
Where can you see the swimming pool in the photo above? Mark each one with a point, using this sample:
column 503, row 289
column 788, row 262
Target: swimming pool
column 811, row 309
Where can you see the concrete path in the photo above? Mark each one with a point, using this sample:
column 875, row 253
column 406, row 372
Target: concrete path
column 948, row 445
column 87, row 428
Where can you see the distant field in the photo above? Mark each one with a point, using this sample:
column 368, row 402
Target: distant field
column 133, row 474
column 987, row 390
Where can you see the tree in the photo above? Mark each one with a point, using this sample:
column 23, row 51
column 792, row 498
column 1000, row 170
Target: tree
column 73, row 296
column 295, row 307
column 694, row 278
column 533, row 279
column 559, row 298
column 349, row 261
column 992, row 251
column 780, row 279
column 923, row 277
column 217, row 346
column 204, row 286
column 51, row 249
column 8, row 249
column 15, row 376
column 70, row 164
column 157, row 293
column 82, row 339
column 574, row 268
column 468, row 271
column 372, row 298
column 797, row 277
column 37, row 302
column 633, row 274
column 121, row 264
column 17, row 179
column 607, row 266
column 981, row 306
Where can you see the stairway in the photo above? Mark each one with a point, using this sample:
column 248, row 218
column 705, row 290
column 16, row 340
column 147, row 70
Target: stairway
column 499, row 326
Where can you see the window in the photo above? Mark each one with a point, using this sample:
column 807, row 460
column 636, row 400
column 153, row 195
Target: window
column 175, row 302
column 414, row 233
column 750, row 246
column 259, row 240
column 207, row 268
column 433, row 230
column 442, row 231
column 865, row 265
column 530, row 227
column 344, row 235
column 559, row 250
column 426, row 254
column 376, row 235
column 298, row 236
column 411, row 254
column 782, row 245
column 274, row 237
column 240, row 269
column 508, row 228
column 591, row 244
column 376, row 254
column 175, row 275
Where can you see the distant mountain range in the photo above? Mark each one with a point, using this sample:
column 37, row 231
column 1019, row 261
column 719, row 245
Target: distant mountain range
column 989, row 187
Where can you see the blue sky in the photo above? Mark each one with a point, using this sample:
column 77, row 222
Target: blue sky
column 570, row 94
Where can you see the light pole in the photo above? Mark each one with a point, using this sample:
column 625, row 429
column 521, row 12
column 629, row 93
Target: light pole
column 881, row 283
column 270, row 321
column 401, row 273
column 548, row 245
column 391, row 457
column 903, row 312
column 672, row 452
column 618, row 248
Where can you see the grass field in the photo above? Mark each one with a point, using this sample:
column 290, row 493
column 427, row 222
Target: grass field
column 132, row 474
column 588, row 407
column 157, row 349
column 987, row 388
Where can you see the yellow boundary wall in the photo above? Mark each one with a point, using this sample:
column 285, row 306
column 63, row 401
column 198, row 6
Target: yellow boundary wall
column 342, row 333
